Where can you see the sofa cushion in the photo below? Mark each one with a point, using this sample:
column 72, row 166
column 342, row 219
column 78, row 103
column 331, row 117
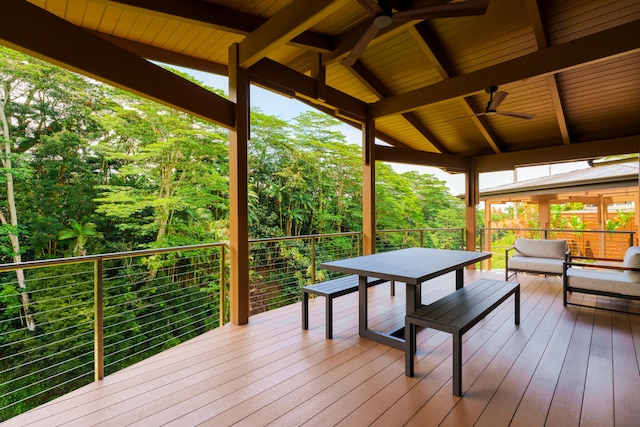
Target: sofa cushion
column 612, row 281
column 537, row 264
column 632, row 259
column 540, row 248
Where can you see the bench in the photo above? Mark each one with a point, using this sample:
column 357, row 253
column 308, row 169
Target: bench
column 331, row 289
column 456, row 313
column 539, row 256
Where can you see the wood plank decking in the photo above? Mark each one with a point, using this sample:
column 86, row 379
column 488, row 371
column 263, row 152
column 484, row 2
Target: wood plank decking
column 561, row 367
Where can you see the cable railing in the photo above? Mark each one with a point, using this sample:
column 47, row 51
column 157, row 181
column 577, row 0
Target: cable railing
column 94, row 315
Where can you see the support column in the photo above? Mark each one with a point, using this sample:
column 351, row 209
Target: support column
column 238, row 192
column 544, row 215
column 487, row 230
column 471, row 201
column 368, row 186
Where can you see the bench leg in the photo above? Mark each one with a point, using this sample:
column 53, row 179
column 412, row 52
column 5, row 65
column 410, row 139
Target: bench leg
column 457, row 364
column 329, row 315
column 305, row 310
column 517, row 299
column 393, row 288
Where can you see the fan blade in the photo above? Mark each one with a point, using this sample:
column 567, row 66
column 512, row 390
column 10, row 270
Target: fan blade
column 371, row 6
column 516, row 115
column 467, row 8
column 361, row 45
column 498, row 97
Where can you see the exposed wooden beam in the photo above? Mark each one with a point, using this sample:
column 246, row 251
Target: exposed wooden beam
column 288, row 22
column 365, row 75
column 106, row 62
column 226, row 19
column 305, row 87
column 346, row 41
column 433, row 49
column 620, row 40
column 557, row 154
column 451, row 163
column 552, row 81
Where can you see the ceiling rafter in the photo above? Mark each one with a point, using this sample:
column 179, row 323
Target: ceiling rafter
column 433, row 49
column 225, row 19
column 374, row 84
column 107, row 62
column 620, row 40
column 552, row 80
column 293, row 19
column 346, row 41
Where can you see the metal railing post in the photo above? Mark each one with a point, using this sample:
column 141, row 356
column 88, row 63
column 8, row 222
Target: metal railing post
column 98, row 320
column 222, row 284
column 313, row 260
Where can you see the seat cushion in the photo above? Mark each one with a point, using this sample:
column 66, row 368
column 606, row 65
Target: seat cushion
column 632, row 259
column 542, row 265
column 612, row 281
column 540, row 248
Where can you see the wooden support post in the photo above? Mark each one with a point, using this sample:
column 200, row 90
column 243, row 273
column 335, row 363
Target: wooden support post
column 238, row 192
column 544, row 215
column 487, row 230
column 368, row 186
column 471, row 201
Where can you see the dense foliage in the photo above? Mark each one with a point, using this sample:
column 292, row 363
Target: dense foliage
column 89, row 169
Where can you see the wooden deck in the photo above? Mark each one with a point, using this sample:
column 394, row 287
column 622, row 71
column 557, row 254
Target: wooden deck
column 561, row 367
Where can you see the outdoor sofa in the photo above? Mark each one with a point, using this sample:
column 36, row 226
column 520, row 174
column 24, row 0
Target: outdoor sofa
column 603, row 276
column 539, row 256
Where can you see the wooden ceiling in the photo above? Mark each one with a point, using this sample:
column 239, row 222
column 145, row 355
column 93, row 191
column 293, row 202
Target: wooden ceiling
column 574, row 64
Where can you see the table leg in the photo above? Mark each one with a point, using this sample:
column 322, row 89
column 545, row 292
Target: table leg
column 414, row 297
column 459, row 278
column 363, row 305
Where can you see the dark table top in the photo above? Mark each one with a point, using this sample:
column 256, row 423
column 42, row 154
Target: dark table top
column 411, row 266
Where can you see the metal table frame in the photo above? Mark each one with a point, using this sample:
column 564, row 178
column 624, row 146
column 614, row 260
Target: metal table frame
column 413, row 266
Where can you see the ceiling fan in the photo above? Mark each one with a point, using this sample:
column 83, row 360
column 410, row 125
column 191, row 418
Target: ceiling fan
column 495, row 99
column 384, row 15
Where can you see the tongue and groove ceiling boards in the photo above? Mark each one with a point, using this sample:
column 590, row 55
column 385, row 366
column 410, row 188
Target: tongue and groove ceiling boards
column 570, row 68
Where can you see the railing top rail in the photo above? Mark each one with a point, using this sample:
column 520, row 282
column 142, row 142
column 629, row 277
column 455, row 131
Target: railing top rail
column 556, row 230
column 404, row 230
column 113, row 255
column 306, row 236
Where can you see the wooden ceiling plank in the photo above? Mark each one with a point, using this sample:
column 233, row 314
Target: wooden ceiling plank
column 290, row 21
column 620, row 40
column 107, row 62
column 225, row 19
column 167, row 56
column 433, row 49
column 365, row 75
column 558, row 154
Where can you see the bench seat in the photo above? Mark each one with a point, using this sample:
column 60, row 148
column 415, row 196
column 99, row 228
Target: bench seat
column 456, row 313
column 331, row 289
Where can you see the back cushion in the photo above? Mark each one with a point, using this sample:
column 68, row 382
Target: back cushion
column 632, row 259
column 540, row 248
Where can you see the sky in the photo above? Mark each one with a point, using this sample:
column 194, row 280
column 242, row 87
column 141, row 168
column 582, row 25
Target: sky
column 286, row 108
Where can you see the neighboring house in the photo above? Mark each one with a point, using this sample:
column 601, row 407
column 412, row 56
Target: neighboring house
column 607, row 189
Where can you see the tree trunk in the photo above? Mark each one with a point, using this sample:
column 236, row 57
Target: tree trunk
column 13, row 217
